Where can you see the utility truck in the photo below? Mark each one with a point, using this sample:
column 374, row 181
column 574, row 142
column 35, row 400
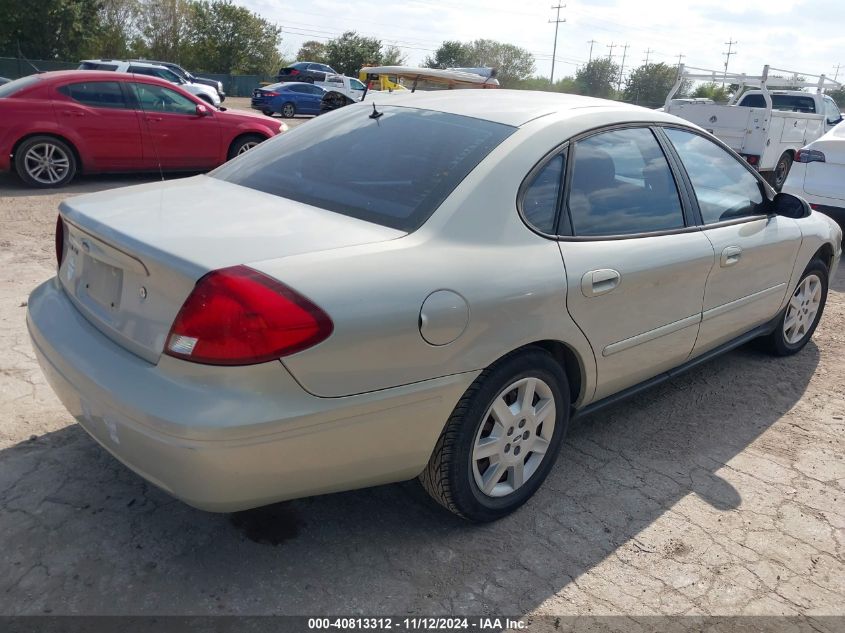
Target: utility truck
column 768, row 118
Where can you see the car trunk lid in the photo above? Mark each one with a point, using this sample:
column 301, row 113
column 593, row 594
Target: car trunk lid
column 133, row 255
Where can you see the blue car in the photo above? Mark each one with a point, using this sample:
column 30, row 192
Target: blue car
column 288, row 99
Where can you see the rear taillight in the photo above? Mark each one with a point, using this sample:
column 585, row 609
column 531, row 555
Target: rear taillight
column 751, row 159
column 239, row 316
column 271, row 94
column 60, row 241
column 294, row 71
column 809, row 156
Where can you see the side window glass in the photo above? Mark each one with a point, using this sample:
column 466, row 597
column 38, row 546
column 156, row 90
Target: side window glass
column 832, row 112
column 621, row 185
column 97, row 94
column 724, row 187
column 159, row 99
column 539, row 203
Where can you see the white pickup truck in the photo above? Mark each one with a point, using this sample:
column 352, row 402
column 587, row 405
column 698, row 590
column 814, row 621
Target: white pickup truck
column 765, row 126
column 347, row 86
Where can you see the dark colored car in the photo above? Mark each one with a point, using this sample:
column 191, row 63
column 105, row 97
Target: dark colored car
column 189, row 76
column 57, row 124
column 288, row 99
column 309, row 72
column 4, row 80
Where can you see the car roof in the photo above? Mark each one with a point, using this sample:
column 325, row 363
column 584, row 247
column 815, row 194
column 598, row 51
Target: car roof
column 106, row 75
column 511, row 107
column 135, row 62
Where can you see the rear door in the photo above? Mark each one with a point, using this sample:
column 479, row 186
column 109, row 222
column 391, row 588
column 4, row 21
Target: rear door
column 755, row 252
column 635, row 263
column 101, row 115
column 175, row 135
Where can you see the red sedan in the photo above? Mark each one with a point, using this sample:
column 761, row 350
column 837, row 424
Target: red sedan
column 57, row 124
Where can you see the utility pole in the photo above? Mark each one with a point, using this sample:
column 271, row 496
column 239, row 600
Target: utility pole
column 622, row 67
column 611, row 46
column 556, row 22
column 648, row 52
column 590, row 58
column 730, row 43
column 836, row 75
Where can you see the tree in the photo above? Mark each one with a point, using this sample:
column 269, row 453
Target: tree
column 598, row 77
column 312, row 51
column 164, row 27
column 47, row 29
column 512, row 63
column 567, row 85
column 350, row 52
column 116, row 29
column 450, row 54
column 838, row 96
column 711, row 91
column 650, row 83
column 227, row 38
column 393, row 56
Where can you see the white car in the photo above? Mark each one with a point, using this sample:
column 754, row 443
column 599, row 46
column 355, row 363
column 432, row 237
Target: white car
column 818, row 174
column 206, row 93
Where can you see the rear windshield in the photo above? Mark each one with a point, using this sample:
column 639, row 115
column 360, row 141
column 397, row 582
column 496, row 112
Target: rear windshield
column 96, row 66
column 393, row 170
column 789, row 103
column 7, row 90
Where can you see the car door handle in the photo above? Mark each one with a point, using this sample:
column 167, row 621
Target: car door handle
column 730, row 256
column 71, row 113
column 599, row 282
column 153, row 118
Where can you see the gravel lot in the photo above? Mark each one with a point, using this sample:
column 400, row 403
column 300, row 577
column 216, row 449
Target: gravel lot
column 718, row 493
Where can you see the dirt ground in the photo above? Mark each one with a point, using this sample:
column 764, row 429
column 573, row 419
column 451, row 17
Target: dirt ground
column 719, row 493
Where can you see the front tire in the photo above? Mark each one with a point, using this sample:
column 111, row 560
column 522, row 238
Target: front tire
column 243, row 144
column 45, row 161
column 802, row 314
column 502, row 438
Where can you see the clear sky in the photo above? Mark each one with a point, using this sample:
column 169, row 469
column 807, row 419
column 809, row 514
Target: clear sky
column 803, row 35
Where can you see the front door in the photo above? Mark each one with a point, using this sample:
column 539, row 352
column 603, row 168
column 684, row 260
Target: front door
column 175, row 135
column 635, row 268
column 755, row 252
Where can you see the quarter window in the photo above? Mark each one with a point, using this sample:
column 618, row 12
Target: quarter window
column 724, row 187
column 539, row 203
column 97, row 94
column 622, row 184
column 831, row 111
column 160, row 99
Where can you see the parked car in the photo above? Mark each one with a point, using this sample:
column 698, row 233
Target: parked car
column 347, row 86
column 309, row 72
column 818, row 174
column 432, row 286
column 189, row 77
column 288, row 99
column 764, row 125
column 4, row 80
column 206, row 93
column 58, row 124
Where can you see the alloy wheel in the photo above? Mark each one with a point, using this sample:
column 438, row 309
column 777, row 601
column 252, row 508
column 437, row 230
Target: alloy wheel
column 243, row 149
column 803, row 308
column 46, row 163
column 514, row 437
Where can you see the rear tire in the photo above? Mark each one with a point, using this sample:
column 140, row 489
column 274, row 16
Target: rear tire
column 243, row 144
column 45, row 162
column 799, row 320
column 777, row 178
column 288, row 110
column 502, row 438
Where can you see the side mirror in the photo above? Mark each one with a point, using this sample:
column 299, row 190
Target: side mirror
column 790, row 206
column 202, row 110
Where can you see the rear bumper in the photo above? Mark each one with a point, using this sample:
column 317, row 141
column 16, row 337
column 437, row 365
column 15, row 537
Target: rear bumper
column 231, row 438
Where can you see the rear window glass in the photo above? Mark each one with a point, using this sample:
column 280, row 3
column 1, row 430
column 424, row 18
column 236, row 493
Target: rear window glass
column 7, row 90
column 96, row 66
column 394, row 170
column 789, row 103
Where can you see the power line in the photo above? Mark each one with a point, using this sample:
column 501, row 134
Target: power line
column 727, row 55
column 556, row 22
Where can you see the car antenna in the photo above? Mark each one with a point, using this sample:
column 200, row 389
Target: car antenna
column 376, row 114
column 22, row 56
